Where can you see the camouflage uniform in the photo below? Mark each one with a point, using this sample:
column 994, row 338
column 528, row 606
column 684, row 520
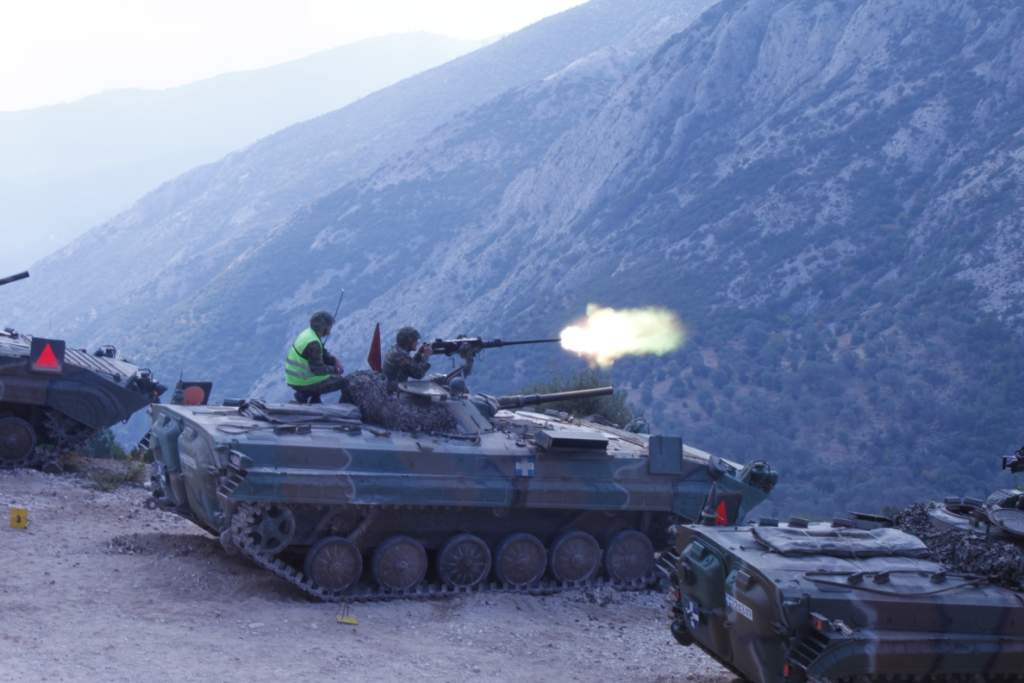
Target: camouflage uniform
column 400, row 366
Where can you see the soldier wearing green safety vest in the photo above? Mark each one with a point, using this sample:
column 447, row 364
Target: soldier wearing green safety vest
column 308, row 368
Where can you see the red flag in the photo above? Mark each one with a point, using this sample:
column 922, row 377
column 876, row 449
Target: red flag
column 374, row 357
column 721, row 514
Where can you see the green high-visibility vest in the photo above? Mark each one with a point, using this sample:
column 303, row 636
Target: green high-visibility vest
column 296, row 368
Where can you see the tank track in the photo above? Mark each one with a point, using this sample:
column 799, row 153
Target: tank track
column 241, row 538
column 47, row 458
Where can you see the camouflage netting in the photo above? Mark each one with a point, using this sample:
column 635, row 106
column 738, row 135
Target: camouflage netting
column 368, row 391
column 966, row 551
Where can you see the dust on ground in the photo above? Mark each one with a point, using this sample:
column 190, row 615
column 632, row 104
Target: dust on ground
column 99, row 588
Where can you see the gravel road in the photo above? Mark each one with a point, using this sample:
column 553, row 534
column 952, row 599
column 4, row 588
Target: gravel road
column 99, row 588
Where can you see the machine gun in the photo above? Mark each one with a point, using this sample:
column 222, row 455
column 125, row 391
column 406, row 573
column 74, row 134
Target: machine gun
column 468, row 346
column 13, row 278
column 1015, row 462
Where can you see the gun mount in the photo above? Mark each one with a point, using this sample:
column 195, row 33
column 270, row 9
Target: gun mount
column 515, row 401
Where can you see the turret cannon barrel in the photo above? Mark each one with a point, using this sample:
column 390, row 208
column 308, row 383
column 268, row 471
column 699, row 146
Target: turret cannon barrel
column 523, row 400
column 13, row 278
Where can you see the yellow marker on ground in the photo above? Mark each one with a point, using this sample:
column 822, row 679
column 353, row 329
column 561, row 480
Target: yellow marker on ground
column 346, row 618
column 19, row 518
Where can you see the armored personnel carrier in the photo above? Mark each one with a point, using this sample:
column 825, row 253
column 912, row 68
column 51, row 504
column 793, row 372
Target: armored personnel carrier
column 52, row 398
column 851, row 600
column 486, row 494
column 984, row 537
column 1001, row 515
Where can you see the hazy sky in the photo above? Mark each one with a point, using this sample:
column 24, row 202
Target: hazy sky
column 60, row 50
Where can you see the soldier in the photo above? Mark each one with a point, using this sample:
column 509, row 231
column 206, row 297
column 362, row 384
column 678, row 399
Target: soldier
column 308, row 368
column 399, row 365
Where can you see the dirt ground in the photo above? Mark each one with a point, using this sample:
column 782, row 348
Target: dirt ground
column 99, row 588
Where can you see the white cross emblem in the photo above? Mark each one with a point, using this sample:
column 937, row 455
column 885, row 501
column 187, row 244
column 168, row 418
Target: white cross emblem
column 524, row 468
column 692, row 614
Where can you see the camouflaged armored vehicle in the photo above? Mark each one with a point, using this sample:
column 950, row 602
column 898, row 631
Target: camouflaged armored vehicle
column 53, row 398
column 1001, row 515
column 487, row 495
column 833, row 602
column 984, row 537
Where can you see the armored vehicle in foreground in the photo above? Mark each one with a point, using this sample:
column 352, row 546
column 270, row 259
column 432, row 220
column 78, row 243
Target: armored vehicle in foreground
column 52, row 398
column 488, row 494
column 834, row 602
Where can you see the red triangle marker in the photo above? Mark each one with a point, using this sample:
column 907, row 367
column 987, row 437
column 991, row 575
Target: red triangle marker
column 47, row 359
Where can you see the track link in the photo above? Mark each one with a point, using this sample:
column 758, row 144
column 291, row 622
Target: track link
column 244, row 519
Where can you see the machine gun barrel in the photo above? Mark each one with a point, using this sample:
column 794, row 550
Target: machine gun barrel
column 523, row 400
column 13, row 278
column 470, row 345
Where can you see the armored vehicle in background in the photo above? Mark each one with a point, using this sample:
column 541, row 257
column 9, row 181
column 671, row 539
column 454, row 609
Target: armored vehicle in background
column 53, row 398
column 984, row 537
column 835, row 602
column 1000, row 515
column 484, row 494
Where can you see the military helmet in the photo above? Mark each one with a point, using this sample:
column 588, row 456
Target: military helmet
column 407, row 337
column 321, row 322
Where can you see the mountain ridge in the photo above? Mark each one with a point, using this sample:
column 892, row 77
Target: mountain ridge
column 101, row 152
column 806, row 183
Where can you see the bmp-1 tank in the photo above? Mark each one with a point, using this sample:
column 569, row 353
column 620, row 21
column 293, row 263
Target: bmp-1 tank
column 52, row 398
column 846, row 601
column 1001, row 515
column 984, row 537
column 487, row 495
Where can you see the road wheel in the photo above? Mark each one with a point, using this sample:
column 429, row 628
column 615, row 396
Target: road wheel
column 17, row 441
column 521, row 560
column 464, row 561
column 399, row 563
column 629, row 556
column 334, row 563
column 575, row 557
column 274, row 529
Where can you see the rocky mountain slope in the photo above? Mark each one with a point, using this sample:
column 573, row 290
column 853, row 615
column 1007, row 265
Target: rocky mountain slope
column 173, row 241
column 65, row 168
column 828, row 192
